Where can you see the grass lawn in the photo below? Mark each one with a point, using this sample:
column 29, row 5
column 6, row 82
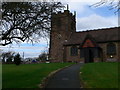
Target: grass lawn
column 100, row 75
column 0, row 76
column 27, row 75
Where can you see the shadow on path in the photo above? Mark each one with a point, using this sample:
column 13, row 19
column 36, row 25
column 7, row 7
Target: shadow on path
column 66, row 78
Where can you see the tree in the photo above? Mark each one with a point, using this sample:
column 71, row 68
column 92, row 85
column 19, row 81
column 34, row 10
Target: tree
column 26, row 21
column 7, row 56
column 42, row 56
column 9, row 60
column 114, row 4
column 1, row 55
column 17, row 59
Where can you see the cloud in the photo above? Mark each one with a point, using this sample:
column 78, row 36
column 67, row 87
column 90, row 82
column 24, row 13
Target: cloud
column 30, row 54
column 79, row 7
column 92, row 18
column 76, row 6
column 81, row 1
column 84, row 8
column 90, row 1
column 28, row 49
column 95, row 21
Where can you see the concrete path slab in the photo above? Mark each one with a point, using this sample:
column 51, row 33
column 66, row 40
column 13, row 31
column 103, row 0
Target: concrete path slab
column 66, row 78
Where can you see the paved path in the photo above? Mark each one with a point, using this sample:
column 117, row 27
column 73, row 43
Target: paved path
column 66, row 78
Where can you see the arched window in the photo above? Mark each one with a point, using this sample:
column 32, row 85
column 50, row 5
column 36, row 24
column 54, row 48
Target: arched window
column 111, row 49
column 73, row 51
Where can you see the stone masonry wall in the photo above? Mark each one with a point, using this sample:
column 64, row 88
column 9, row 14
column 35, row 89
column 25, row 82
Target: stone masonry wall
column 118, row 50
column 107, row 58
column 62, row 28
column 70, row 58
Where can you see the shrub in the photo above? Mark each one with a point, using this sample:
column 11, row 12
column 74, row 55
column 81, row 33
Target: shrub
column 9, row 60
column 17, row 59
column 43, row 56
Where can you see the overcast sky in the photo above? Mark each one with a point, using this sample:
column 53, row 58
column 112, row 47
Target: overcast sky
column 87, row 18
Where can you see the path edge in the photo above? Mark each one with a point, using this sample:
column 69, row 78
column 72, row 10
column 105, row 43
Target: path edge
column 46, row 79
column 82, row 82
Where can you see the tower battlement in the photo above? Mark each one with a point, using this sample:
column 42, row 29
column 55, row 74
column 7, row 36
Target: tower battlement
column 65, row 12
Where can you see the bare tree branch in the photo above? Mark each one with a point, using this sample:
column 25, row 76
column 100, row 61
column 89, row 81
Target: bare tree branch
column 113, row 4
column 23, row 21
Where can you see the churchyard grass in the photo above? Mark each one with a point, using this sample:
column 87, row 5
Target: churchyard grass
column 0, row 76
column 99, row 75
column 27, row 75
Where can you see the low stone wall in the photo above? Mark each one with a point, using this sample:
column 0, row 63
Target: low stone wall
column 97, row 60
column 111, row 60
column 82, row 60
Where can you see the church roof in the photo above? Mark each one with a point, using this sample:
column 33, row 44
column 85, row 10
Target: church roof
column 99, row 35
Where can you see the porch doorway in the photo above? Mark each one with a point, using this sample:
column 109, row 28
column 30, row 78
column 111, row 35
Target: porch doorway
column 90, row 53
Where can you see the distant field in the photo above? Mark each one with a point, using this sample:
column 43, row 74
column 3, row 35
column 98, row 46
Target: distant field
column 27, row 75
column 100, row 75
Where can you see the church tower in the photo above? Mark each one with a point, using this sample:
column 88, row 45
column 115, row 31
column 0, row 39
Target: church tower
column 63, row 24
